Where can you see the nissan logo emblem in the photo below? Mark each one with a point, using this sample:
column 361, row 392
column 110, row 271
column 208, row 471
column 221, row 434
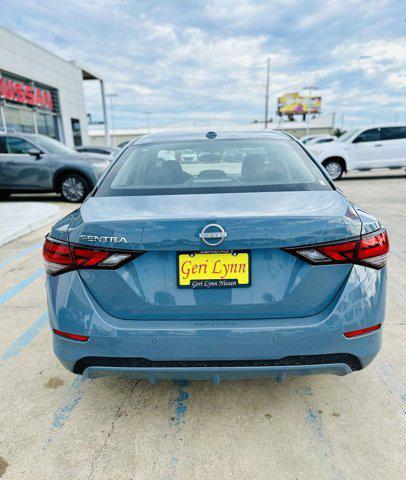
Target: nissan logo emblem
column 213, row 234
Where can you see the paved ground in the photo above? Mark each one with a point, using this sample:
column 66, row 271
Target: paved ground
column 54, row 425
column 19, row 218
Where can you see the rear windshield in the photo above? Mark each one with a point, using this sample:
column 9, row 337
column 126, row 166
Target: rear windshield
column 212, row 166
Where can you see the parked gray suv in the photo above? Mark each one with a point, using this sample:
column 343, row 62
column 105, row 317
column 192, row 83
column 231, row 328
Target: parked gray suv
column 36, row 163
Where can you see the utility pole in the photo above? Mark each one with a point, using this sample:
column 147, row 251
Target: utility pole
column 308, row 107
column 104, row 108
column 267, row 93
column 148, row 114
column 110, row 96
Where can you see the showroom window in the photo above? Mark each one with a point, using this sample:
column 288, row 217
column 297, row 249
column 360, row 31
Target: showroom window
column 47, row 125
column 19, row 119
column 76, row 131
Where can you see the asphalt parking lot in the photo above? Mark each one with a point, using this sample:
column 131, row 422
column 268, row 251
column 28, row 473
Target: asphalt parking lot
column 54, row 425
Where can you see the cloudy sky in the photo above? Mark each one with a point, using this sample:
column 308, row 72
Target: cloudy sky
column 205, row 61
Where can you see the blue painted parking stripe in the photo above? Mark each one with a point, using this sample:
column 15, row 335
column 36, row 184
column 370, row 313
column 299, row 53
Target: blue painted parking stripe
column 24, row 340
column 180, row 405
column 20, row 286
column 72, row 398
column 20, row 254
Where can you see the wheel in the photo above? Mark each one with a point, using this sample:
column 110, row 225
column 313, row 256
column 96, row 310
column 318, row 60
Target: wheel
column 74, row 188
column 334, row 168
column 4, row 194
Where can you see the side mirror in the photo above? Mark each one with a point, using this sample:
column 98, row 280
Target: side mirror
column 35, row 152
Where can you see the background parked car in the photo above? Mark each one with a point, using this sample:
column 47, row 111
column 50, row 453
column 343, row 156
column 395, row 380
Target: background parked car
column 364, row 148
column 38, row 164
column 101, row 150
column 306, row 138
column 321, row 139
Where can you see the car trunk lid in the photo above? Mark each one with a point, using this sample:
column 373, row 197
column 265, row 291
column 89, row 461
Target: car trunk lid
column 263, row 223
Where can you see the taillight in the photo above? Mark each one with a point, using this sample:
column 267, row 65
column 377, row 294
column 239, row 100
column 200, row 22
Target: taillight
column 60, row 257
column 370, row 250
column 57, row 257
column 373, row 249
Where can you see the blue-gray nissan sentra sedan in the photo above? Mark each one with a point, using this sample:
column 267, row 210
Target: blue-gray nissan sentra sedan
column 239, row 259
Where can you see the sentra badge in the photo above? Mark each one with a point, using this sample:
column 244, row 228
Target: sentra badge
column 103, row 239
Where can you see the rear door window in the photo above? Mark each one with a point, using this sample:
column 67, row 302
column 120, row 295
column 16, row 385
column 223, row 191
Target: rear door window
column 393, row 133
column 3, row 145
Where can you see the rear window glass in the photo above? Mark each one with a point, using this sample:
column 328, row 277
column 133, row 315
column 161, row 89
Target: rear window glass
column 212, row 166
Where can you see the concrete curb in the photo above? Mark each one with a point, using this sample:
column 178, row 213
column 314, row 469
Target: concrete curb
column 19, row 218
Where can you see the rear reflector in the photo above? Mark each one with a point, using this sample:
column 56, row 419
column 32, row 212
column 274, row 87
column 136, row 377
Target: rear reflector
column 62, row 257
column 357, row 333
column 72, row 336
column 370, row 250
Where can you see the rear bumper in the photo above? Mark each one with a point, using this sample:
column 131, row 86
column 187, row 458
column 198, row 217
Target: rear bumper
column 216, row 376
column 216, row 371
column 210, row 350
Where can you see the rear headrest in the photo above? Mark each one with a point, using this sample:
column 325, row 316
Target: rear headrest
column 212, row 174
column 253, row 166
column 173, row 165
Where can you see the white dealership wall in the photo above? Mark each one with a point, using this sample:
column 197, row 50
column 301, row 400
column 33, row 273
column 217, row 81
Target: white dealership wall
column 21, row 57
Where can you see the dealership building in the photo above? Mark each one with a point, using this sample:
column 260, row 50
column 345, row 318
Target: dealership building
column 43, row 93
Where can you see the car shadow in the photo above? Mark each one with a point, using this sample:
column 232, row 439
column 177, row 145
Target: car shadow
column 352, row 177
column 41, row 197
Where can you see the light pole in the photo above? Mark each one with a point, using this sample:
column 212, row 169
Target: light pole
column 111, row 96
column 148, row 114
column 267, row 93
column 308, row 107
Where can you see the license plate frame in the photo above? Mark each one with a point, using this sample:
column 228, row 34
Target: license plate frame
column 214, row 283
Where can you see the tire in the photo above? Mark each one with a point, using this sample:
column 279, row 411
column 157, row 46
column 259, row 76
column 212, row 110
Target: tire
column 74, row 188
column 334, row 168
column 4, row 194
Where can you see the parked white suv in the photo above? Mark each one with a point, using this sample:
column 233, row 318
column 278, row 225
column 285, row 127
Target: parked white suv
column 364, row 149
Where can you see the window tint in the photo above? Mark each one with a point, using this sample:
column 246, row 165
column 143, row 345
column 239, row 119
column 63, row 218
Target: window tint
column 372, row 135
column 3, row 145
column 325, row 140
column 393, row 133
column 18, row 145
column 207, row 166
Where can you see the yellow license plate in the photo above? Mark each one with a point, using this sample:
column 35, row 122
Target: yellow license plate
column 214, row 269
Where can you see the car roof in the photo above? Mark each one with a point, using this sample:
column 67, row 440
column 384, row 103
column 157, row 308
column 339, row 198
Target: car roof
column 100, row 147
column 20, row 134
column 379, row 125
column 202, row 135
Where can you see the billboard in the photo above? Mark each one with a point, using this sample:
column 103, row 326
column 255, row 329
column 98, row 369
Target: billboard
column 295, row 104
